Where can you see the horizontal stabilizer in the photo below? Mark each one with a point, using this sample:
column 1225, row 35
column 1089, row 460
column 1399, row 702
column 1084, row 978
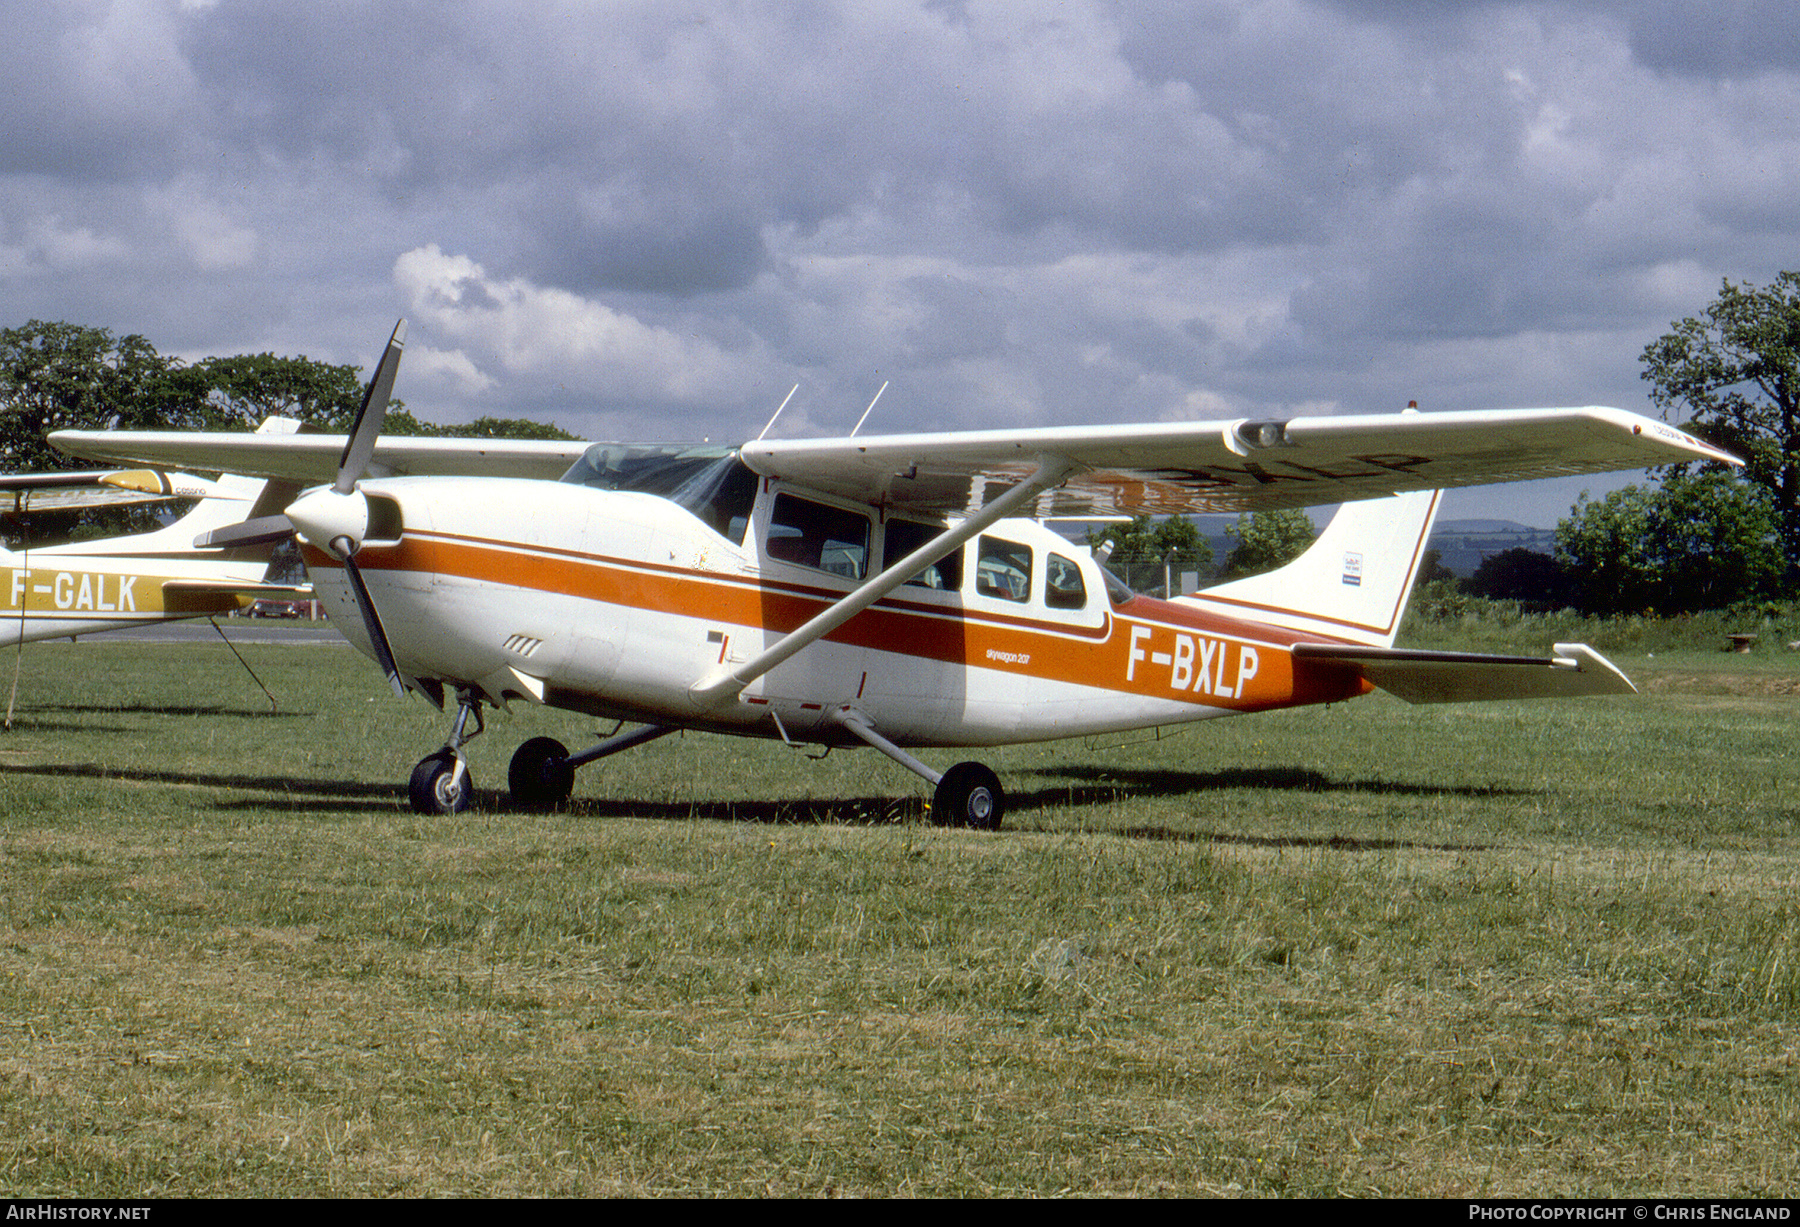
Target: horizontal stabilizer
column 193, row 597
column 260, row 531
column 1466, row 677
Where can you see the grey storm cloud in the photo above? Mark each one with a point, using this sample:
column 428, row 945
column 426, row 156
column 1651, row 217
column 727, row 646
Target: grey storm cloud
column 635, row 218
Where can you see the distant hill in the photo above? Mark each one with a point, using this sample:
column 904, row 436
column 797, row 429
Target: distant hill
column 1462, row 544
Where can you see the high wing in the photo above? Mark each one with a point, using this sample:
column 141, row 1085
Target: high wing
column 26, row 492
column 1230, row 466
column 313, row 459
column 1187, row 467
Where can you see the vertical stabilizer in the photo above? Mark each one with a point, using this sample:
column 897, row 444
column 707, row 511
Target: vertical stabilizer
column 1351, row 584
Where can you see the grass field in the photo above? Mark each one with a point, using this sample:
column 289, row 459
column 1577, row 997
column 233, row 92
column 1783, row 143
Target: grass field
column 1368, row 949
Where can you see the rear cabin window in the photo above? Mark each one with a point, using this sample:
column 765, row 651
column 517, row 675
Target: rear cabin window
column 1003, row 570
column 814, row 535
column 1063, row 586
column 903, row 537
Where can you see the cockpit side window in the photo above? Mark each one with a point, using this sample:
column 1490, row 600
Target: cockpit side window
column 1063, row 586
column 1003, row 570
column 722, row 495
column 709, row 481
column 1116, row 589
column 815, row 535
column 903, row 537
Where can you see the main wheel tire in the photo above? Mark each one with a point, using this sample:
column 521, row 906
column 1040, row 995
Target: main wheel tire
column 540, row 777
column 969, row 795
column 431, row 790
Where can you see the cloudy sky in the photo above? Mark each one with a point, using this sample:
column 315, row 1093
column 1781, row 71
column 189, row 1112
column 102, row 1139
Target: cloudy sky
column 650, row 220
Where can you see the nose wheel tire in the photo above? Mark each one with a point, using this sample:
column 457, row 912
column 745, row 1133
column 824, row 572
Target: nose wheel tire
column 432, row 789
column 540, row 777
column 969, row 795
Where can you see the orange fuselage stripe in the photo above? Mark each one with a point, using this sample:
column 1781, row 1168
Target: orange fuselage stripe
column 1148, row 647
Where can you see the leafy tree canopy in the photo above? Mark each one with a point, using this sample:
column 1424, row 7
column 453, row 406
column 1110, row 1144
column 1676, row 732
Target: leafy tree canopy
column 1147, row 551
column 1432, row 569
column 1734, row 372
column 241, row 391
column 1522, row 575
column 62, row 376
column 508, row 428
column 1703, row 541
column 1267, row 540
column 56, row 376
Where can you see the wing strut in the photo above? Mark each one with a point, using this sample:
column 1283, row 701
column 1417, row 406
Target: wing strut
column 857, row 723
column 1051, row 471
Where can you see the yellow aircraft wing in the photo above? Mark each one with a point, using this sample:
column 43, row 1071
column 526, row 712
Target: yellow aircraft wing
column 27, row 492
column 313, row 459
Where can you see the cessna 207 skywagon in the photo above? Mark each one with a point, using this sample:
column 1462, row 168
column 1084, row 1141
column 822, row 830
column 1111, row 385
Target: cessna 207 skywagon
column 113, row 583
column 884, row 590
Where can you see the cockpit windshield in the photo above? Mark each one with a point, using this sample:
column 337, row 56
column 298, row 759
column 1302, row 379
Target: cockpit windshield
column 709, row 481
column 650, row 468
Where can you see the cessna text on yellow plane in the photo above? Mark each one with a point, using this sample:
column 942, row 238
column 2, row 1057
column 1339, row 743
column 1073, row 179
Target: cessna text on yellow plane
column 36, row 589
column 1196, row 663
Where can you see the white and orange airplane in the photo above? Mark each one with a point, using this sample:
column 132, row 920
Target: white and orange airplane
column 885, row 591
column 115, row 583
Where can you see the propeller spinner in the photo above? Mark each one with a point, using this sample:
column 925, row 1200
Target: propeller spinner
column 335, row 518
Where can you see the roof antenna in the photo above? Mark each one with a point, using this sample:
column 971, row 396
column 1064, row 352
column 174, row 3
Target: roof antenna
column 778, row 409
column 869, row 410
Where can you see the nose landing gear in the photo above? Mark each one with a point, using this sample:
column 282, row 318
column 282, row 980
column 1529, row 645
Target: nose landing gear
column 441, row 783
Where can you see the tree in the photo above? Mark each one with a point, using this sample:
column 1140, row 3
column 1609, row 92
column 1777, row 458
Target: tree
column 56, row 376
column 1147, row 552
column 1267, row 540
column 508, row 428
column 1522, row 575
column 1703, row 541
column 1734, row 373
column 1432, row 569
column 241, row 391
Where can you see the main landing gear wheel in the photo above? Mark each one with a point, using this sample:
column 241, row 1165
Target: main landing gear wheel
column 540, row 777
column 969, row 795
column 432, row 790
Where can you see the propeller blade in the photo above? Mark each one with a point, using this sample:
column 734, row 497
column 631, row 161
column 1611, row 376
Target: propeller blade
column 384, row 655
column 366, row 430
column 259, row 531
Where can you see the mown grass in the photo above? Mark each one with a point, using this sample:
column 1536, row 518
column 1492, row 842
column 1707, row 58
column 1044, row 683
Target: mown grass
column 1367, row 949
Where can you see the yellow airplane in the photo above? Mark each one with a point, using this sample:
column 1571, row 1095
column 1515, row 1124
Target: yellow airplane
column 893, row 591
column 87, row 587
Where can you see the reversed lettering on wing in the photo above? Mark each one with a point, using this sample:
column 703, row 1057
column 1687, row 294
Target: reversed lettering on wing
column 1252, row 473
